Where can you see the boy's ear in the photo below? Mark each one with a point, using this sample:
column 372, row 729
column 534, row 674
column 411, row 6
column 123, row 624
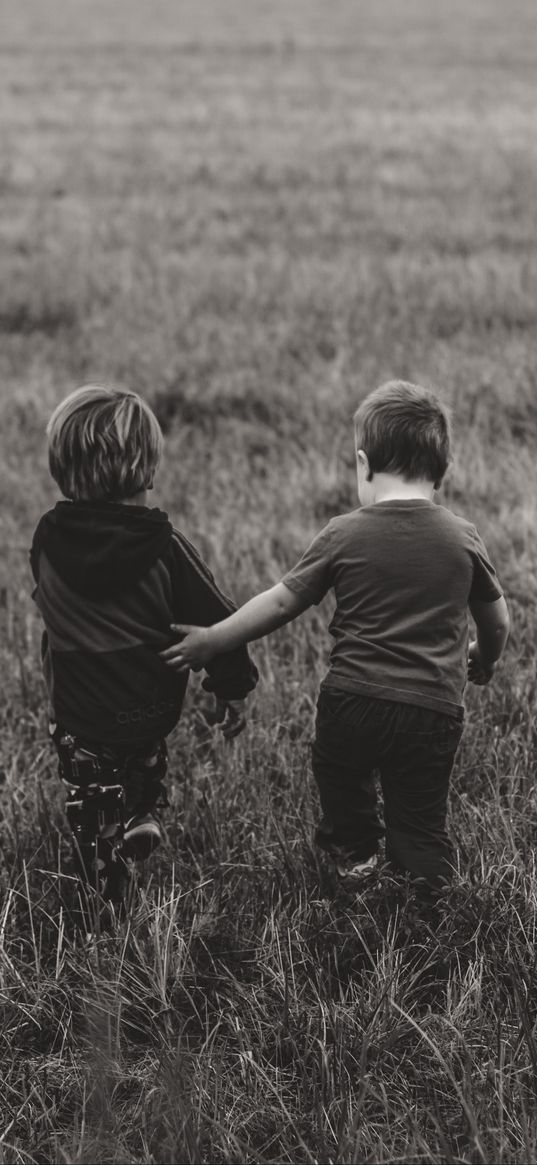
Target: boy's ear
column 363, row 461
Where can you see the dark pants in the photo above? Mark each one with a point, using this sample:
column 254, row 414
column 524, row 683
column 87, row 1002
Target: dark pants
column 106, row 786
column 413, row 750
column 140, row 773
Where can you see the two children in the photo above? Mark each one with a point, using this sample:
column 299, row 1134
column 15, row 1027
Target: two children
column 116, row 584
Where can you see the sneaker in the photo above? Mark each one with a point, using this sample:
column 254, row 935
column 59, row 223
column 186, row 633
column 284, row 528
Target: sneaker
column 141, row 836
column 348, row 867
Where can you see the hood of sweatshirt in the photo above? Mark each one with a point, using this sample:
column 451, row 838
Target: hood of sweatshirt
column 100, row 548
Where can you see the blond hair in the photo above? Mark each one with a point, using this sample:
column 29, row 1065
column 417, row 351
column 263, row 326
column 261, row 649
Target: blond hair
column 104, row 444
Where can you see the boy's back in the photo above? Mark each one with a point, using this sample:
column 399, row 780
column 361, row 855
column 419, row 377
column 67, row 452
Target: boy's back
column 111, row 578
column 404, row 572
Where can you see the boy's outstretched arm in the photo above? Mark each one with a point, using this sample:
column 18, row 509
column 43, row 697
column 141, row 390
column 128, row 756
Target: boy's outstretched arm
column 260, row 615
column 492, row 627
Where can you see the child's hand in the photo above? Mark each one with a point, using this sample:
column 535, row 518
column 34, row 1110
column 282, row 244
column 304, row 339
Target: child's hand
column 230, row 715
column 478, row 673
column 192, row 651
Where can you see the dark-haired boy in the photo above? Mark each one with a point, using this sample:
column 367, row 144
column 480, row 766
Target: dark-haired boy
column 405, row 572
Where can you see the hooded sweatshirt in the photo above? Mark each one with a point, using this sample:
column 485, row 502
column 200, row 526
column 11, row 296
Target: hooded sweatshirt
column 110, row 578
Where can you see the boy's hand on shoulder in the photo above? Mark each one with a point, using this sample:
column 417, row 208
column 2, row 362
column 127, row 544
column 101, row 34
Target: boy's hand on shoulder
column 193, row 649
column 478, row 672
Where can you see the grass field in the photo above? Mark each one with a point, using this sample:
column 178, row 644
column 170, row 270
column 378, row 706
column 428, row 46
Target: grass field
column 254, row 213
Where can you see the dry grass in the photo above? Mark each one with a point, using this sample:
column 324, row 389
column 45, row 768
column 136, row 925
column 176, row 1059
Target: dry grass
column 255, row 213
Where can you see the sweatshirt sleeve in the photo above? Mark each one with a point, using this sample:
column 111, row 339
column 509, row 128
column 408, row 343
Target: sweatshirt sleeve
column 196, row 599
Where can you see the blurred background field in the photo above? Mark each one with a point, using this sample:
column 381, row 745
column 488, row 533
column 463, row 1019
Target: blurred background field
column 253, row 214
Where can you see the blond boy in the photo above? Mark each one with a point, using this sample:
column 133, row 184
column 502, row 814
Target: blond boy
column 111, row 575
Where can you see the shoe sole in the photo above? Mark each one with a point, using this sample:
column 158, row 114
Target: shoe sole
column 357, row 873
column 141, row 843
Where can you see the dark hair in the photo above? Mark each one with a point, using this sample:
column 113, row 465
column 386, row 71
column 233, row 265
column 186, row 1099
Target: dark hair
column 404, row 429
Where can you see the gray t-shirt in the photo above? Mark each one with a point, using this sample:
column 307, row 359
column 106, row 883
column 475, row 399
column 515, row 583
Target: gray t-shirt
column 403, row 573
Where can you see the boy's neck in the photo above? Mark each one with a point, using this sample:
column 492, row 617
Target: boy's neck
column 139, row 499
column 388, row 487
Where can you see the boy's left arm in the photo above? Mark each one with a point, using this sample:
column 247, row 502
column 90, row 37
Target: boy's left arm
column 489, row 611
column 492, row 626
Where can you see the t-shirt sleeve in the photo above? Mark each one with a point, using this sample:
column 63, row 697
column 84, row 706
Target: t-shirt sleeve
column 312, row 575
column 486, row 587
